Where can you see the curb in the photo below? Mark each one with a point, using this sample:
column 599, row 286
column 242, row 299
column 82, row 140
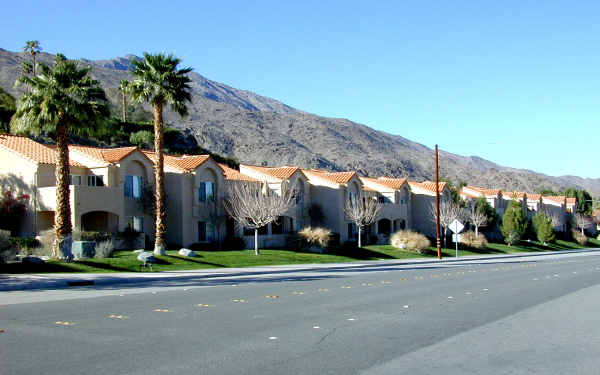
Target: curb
column 265, row 270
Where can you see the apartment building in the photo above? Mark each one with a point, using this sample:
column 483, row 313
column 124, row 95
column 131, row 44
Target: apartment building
column 106, row 185
column 395, row 198
column 330, row 191
column 297, row 217
column 422, row 201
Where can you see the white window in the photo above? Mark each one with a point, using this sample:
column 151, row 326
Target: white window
column 95, row 180
column 74, row 179
column 206, row 192
column 136, row 223
column 134, row 186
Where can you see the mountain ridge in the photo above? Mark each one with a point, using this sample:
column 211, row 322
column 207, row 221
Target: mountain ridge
column 261, row 130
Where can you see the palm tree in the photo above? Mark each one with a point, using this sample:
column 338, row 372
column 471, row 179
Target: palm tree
column 159, row 82
column 7, row 109
column 62, row 99
column 33, row 48
column 124, row 87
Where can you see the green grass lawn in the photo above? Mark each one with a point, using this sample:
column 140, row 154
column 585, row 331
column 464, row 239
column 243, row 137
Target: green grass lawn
column 125, row 261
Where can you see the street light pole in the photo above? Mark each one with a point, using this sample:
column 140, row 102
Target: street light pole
column 437, row 205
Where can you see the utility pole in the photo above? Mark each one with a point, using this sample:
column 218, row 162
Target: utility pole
column 437, row 205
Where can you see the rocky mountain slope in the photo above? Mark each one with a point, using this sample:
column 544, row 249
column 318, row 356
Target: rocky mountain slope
column 260, row 130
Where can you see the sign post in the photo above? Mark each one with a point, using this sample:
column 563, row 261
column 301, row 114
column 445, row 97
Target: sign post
column 456, row 227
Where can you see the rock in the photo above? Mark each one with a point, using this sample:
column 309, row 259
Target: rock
column 83, row 249
column 146, row 257
column 32, row 260
column 139, row 251
column 65, row 248
column 187, row 253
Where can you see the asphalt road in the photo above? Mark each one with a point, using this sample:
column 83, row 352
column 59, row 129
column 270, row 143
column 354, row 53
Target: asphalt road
column 515, row 316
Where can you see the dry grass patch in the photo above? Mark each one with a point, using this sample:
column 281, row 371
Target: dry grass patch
column 409, row 240
column 475, row 241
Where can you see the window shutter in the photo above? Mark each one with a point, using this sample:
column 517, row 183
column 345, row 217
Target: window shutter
column 129, row 186
column 202, row 192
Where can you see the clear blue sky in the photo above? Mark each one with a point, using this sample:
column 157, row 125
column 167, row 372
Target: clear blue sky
column 516, row 82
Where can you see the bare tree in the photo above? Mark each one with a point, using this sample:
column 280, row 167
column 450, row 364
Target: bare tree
column 449, row 211
column 477, row 219
column 362, row 211
column 254, row 205
column 554, row 218
column 216, row 218
column 582, row 221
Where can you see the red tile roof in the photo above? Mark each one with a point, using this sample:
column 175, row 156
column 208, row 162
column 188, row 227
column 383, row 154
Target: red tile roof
column 235, row 175
column 335, row 177
column 107, row 155
column 282, row 173
column 32, row 150
column 513, row 194
column 427, row 185
column 534, row 197
column 571, row 200
column 185, row 163
column 394, row 183
column 555, row 198
column 484, row 191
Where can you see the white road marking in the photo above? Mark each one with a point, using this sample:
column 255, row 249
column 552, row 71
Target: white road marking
column 351, row 319
column 406, row 306
column 450, row 297
column 273, row 338
column 316, row 327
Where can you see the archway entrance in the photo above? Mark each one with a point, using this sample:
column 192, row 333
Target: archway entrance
column 100, row 221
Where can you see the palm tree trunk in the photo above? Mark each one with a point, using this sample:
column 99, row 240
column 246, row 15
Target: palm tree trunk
column 123, row 103
column 33, row 55
column 62, row 219
column 159, row 175
column 255, row 241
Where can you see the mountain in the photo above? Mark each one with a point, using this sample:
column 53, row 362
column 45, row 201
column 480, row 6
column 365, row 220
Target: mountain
column 260, row 130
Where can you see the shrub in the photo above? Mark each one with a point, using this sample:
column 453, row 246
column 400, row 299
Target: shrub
column 542, row 225
column 7, row 251
column 142, row 138
column 23, row 243
column 91, row 236
column 475, row 241
column 580, row 238
column 514, row 223
column 46, row 239
column 104, row 249
column 234, row 243
column 409, row 240
column 318, row 236
column 12, row 210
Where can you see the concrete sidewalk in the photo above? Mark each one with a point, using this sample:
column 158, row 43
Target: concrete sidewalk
column 53, row 281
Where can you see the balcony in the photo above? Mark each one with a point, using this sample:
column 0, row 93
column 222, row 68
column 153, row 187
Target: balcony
column 84, row 199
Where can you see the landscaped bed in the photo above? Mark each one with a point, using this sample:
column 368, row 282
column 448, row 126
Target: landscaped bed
column 126, row 261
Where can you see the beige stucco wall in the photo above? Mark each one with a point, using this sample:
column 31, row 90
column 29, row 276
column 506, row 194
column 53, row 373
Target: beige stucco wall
column 422, row 220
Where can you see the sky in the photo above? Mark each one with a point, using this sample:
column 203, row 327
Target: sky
column 514, row 82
